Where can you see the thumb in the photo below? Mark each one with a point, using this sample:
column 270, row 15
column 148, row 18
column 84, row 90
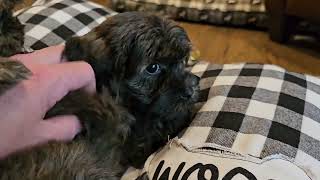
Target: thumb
column 59, row 128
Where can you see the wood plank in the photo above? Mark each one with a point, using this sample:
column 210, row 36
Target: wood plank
column 232, row 45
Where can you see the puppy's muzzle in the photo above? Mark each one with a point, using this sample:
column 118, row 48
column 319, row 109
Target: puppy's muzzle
column 191, row 87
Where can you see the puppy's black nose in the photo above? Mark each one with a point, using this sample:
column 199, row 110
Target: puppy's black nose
column 188, row 92
column 195, row 80
column 191, row 84
column 192, row 80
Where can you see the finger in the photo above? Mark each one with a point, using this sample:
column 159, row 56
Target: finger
column 62, row 78
column 49, row 55
column 60, row 128
column 75, row 75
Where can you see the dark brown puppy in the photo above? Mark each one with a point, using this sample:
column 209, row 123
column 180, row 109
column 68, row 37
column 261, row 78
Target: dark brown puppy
column 140, row 60
column 138, row 57
column 11, row 30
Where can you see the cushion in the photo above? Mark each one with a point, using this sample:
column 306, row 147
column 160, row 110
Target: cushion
column 52, row 23
column 256, row 120
column 221, row 12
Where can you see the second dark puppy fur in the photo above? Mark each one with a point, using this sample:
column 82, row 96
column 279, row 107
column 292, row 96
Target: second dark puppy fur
column 11, row 30
column 151, row 97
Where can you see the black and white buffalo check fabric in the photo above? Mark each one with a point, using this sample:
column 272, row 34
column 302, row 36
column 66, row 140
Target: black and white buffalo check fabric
column 54, row 22
column 260, row 110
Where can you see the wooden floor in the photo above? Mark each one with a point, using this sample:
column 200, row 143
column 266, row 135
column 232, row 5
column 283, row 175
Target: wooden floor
column 229, row 45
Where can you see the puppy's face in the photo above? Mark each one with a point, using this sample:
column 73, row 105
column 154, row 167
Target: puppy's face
column 154, row 50
column 181, row 95
column 168, row 114
column 137, row 56
column 174, row 105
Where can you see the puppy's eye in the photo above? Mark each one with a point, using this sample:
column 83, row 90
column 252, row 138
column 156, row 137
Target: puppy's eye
column 153, row 69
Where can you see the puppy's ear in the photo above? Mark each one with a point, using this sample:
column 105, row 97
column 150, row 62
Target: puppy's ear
column 89, row 48
column 106, row 48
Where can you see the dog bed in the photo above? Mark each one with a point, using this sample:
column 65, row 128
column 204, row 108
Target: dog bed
column 222, row 12
column 255, row 121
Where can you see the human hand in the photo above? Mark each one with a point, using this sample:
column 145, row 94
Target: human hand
column 24, row 106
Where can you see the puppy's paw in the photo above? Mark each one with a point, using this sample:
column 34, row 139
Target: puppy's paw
column 126, row 122
column 73, row 50
column 101, row 118
column 11, row 73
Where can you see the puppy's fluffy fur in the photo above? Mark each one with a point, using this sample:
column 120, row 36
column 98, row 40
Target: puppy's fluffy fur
column 11, row 73
column 120, row 51
column 144, row 95
column 11, row 30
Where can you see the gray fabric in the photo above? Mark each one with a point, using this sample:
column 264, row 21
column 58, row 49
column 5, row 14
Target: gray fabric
column 223, row 137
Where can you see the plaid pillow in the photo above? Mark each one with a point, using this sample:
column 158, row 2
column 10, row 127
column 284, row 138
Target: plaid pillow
column 226, row 12
column 54, row 22
column 260, row 110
